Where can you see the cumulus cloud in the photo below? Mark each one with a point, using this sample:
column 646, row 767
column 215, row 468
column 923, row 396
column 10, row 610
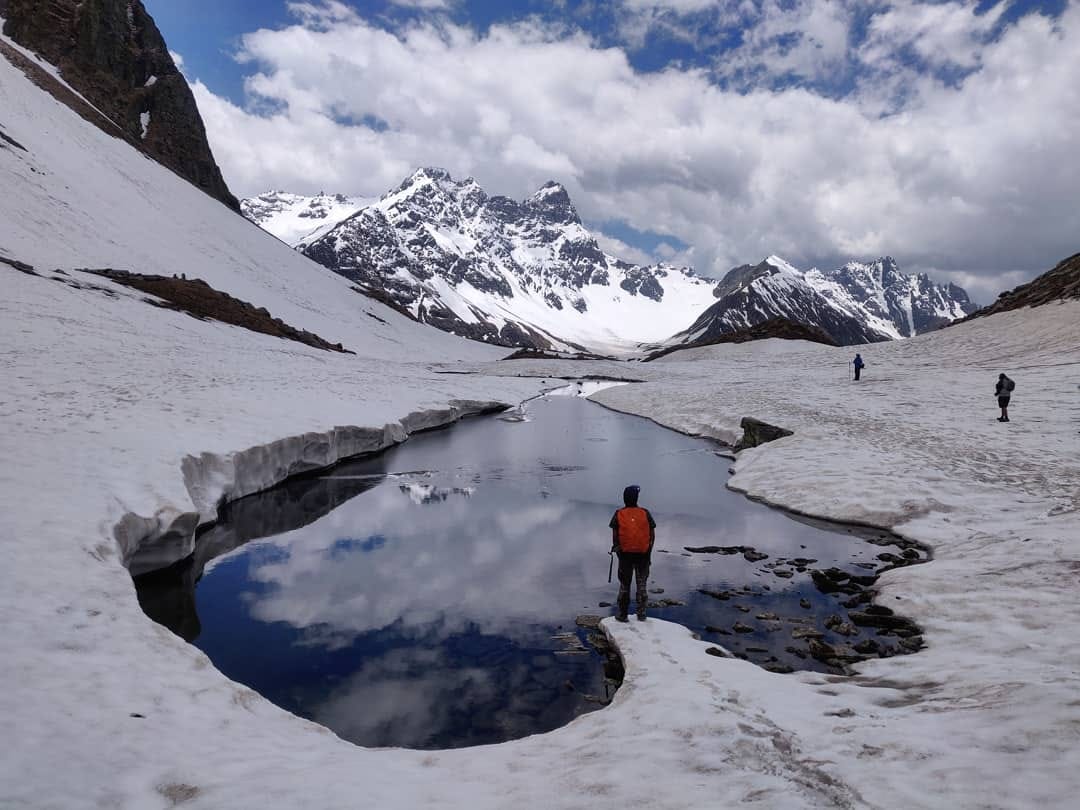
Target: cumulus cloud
column 620, row 250
column 972, row 177
column 940, row 34
column 807, row 40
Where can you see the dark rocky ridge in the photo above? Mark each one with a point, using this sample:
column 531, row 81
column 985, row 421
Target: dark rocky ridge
column 772, row 328
column 742, row 302
column 1063, row 281
column 108, row 50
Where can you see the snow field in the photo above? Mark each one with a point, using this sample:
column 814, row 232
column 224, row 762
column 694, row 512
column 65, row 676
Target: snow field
column 987, row 716
column 105, row 396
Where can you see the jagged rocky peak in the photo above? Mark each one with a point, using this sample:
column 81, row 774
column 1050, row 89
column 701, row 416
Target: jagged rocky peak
column 858, row 302
column 112, row 53
column 520, row 273
column 426, row 175
column 432, row 192
column 552, row 204
column 741, row 277
column 882, row 272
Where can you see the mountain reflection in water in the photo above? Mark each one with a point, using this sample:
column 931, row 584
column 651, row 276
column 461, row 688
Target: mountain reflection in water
column 430, row 609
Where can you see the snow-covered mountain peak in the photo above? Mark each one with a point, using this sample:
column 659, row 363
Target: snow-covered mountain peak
column 296, row 218
column 522, row 273
column 529, row 273
column 782, row 265
column 551, row 203
column 856, row 303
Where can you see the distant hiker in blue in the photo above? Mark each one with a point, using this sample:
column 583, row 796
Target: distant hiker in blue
column 1003, row 390
column 858, row 365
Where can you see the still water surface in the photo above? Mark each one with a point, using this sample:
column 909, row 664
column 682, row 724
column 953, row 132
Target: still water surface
column 426, row 597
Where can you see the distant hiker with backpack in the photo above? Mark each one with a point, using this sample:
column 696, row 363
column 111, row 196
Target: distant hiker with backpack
column 633, row 532
column 858, row 365
column 1003, row 390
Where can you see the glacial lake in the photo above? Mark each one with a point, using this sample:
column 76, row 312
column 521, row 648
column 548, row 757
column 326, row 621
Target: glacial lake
column 426, row 597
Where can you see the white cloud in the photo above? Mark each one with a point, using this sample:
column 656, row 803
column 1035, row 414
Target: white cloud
column 976, row 177
column 620, row 250
column 808, row 39
column 321, row 14
column 428, row 5
column 677, row 6
column 941, row 34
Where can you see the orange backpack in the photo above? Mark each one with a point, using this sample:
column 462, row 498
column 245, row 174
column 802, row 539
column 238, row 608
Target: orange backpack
column 633, row 523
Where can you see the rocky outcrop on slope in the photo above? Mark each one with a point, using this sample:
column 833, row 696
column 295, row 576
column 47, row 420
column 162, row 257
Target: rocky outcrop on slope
column 112, row 53
column 200, row 300
column 1063, row 281
column 756, row 432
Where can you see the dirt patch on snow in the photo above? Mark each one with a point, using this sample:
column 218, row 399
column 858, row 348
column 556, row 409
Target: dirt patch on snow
column 200, row 300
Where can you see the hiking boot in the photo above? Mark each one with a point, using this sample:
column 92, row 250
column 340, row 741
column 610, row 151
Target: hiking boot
column 1001, row 418
column 622, row 618
column 641, row 614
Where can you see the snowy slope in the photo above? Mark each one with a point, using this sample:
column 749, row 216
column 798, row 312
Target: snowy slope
column 512, row 273
column 61, row 210
column 857, row 303
column 105, row 398
column 298, row 219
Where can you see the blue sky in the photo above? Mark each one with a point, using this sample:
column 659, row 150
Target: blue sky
column 208, row 32
column 711, row 133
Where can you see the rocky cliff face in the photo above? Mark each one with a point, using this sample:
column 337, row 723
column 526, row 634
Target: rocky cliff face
column 112, row 53
column 913, row 304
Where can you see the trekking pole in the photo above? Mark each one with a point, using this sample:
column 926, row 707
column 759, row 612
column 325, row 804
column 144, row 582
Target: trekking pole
column 610, row 565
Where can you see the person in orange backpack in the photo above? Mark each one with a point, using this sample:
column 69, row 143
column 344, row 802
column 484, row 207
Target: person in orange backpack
column 633, row 532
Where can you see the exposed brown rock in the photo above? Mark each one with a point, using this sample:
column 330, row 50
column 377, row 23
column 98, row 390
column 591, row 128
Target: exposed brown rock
column 756, row 432
column 199, row 299
column 109, row 50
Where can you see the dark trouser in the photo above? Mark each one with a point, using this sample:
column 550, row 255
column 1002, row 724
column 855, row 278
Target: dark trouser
column 858, row 371
column 633, row 565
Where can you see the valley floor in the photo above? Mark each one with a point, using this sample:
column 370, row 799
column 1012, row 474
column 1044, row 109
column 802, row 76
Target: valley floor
column 114, row 411
column 106, row 709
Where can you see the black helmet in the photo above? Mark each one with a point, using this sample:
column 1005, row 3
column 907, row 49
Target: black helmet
column 630, row 495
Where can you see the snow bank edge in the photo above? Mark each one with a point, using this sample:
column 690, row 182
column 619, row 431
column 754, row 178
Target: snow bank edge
column 214, row 479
